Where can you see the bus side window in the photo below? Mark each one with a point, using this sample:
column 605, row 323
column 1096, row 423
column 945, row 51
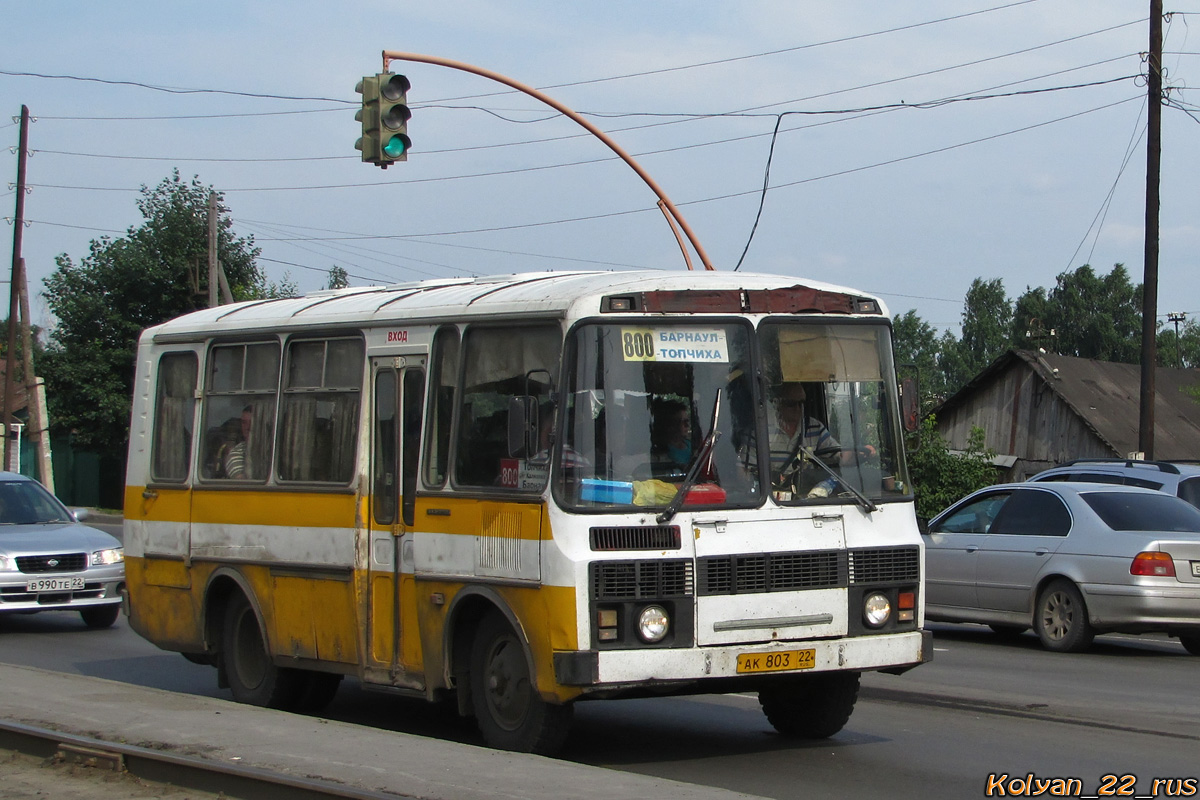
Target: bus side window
column 444, row 377
column 318, row 426
column 239, row 411
column 174, row 415
column 499, row 363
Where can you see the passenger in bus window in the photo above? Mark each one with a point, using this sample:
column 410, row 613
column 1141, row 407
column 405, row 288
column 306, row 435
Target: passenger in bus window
column 671, row 437
column 233, row 457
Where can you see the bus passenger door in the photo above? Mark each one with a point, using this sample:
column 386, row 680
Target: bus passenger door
column 396, row 410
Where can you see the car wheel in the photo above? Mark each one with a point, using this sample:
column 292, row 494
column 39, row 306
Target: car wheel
column 510, row 713
column 100, row 616
column 812, row 707
column 1008, row 632
column 1191, row 644
column 253, row 677
column 1061, row 619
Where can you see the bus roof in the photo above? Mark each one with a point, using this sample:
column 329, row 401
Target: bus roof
column 548, row 294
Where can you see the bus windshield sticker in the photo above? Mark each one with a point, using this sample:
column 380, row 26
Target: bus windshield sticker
column 675, row 344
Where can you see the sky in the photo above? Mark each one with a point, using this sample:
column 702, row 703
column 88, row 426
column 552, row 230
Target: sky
column 920, row 145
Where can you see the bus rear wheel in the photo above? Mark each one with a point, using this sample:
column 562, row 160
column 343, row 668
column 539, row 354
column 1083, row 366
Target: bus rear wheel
column 510, row 713
column 253, row 677
column 813, row 707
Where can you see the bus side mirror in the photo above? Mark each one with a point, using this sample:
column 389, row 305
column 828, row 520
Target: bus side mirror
column 522, row 426
column 910, row 404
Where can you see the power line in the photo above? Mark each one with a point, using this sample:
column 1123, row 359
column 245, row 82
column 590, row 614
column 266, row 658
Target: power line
column 171, row 89
column 732, row 59
column 627, row 212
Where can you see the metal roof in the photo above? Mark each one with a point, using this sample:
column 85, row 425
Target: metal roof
column 548, row 293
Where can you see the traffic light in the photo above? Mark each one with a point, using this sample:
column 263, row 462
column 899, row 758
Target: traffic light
column 384, row 116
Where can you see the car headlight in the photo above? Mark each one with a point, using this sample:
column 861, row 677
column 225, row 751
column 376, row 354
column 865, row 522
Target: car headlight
column 8, row 564
column 877, row 609
column 113, row 555
column 653, row 624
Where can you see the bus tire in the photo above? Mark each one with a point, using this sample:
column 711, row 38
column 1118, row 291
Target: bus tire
column 253, row 677
column 814, row 707
column 318, row 692
column 510, row 713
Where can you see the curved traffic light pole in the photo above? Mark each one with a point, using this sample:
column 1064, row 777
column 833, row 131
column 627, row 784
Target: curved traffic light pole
column 674, row 218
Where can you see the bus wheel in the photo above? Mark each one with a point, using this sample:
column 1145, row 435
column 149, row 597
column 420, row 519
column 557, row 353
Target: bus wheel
column 253, row 677
column 508, row 710
column 318, row 692
column 814, row 707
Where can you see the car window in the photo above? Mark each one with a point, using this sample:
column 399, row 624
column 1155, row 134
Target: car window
column 1061, row 476
column 974, row 517
column 1129, row 511
column 1098, row 477
column 1031, row 512
column 1189, row 490
column 27, row 503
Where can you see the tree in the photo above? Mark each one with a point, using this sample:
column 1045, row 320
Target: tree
column 1182, row 350
column 155, row 272
column 1092, row 316
column 940, row 477
column 916, row 344
column 338, row 278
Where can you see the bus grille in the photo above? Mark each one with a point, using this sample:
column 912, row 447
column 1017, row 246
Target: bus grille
column 771, row 572
column 68, row 562
column 620, row 580
column 633, row 537
column 885, row 565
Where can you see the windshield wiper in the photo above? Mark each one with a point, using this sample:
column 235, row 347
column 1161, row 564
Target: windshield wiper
column 859, row 497
column 710, row 440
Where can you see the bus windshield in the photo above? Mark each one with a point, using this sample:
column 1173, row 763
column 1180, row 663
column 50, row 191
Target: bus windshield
column 831, row 412
column 643, row 398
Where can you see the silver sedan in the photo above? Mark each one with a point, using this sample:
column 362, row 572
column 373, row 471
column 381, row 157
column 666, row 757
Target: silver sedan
column 1070, row 560
column 50, row 562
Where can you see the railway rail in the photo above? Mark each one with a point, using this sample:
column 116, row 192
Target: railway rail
column 176, row 769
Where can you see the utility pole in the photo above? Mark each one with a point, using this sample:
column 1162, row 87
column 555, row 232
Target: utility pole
column 13, row 287
column 1177, row 317
column 674, row 219
column 1150, row 279
column 35, row 393
column 212, row 250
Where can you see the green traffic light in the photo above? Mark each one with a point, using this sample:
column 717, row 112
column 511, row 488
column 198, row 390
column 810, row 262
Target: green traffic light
column 397, row 146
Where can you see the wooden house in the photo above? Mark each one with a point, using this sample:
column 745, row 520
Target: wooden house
column 1040, row 409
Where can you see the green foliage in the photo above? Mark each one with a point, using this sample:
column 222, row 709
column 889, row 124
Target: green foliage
column 1182, row 350
column 1092, row 316
column 916, row 344
column 155, row 272
column 940, row 477
column 338, row 278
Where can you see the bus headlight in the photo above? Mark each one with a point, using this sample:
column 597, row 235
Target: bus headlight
column 653, row 624
column 877, row 609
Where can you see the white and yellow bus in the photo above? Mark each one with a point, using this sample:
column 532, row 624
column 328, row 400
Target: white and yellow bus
column 525, row 491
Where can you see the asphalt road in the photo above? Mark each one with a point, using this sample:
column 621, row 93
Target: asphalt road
column 982, row 709
column 1117, row 717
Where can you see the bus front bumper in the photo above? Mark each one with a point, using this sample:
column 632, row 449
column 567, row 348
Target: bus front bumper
column 616, row 669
